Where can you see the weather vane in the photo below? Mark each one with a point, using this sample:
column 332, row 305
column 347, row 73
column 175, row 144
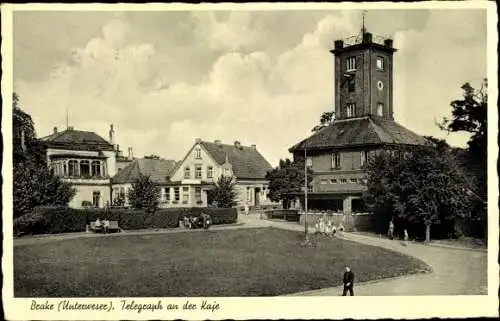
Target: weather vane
column 363, row 14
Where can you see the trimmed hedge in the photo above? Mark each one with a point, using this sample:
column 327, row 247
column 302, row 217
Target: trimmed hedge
column 218, row 215
column 61, row 219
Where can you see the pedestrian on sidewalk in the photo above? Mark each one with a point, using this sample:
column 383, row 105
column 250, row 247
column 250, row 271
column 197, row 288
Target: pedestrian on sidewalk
column 246, row 208
column 406, row 238
column 348, row 281
column 391, row 230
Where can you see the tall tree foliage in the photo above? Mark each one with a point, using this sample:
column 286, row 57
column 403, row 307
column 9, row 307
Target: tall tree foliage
column 287, row 178
column 224, row 193
column 469, row 115
column 34, row 184
column 325, row 119
column 424, row 187
column 144, row 194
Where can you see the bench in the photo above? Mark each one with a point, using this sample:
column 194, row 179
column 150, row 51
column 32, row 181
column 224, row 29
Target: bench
column 113, row 227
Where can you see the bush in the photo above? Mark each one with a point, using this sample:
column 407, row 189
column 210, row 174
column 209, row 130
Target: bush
column 164, row 218
column 60, row 219
column 63, row 219
column 218, row 215
column 31, row 223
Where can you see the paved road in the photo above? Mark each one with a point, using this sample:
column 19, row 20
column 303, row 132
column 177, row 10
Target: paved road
column 454, row 271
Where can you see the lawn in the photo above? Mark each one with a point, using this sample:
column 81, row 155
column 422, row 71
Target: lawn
column 245, row 262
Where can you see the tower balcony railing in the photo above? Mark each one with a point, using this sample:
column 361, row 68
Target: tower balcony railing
column 355, row 40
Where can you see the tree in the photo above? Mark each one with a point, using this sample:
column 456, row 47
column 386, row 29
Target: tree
column 285, row 179
column 224, row 193
column 144, row 194
column 470, row 115
column 326, row 118
column 34, row 184
column 424, row 186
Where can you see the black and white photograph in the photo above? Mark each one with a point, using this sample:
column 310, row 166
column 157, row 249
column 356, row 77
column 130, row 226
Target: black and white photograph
column 177, row 161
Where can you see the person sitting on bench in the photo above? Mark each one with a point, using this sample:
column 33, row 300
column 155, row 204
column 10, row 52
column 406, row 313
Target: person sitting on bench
column 106, row 226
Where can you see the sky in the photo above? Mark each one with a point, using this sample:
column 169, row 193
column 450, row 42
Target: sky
column 165, row 78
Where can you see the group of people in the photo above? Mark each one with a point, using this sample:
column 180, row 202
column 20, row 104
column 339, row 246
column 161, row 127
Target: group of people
column 390, row 234
column 327, row 227
column 104, row 224
column 203, row 220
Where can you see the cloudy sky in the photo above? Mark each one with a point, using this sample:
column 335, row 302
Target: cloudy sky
column 260, row 77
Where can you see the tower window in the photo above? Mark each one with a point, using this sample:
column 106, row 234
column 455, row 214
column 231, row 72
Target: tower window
column 351, row 110
column 351, row 85
column 351, row 63
column 380, row 109
column 380, row 63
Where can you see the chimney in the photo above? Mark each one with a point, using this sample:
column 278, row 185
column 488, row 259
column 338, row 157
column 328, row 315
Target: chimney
column 237, row 144
column 55, row 130
column 197, row 140
column 388, row 43
column 253, row 146
column 367, row 37
column 338, row 44
column 112, row 135
column 130, row 154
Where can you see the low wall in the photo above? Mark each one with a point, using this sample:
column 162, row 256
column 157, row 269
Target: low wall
column 288, row 215
column 359, row 222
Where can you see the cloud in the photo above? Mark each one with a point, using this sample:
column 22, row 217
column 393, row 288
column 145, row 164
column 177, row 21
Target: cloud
column 249, row 87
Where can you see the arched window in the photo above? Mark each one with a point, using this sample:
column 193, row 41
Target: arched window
column 96, row 168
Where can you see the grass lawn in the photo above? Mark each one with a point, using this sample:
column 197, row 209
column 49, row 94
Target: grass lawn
column 245, row 262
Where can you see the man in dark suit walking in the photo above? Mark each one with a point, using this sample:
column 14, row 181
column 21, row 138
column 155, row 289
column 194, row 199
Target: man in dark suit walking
column 348, row 282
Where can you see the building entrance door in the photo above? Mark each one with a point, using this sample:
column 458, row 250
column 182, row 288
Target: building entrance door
column 257, row 196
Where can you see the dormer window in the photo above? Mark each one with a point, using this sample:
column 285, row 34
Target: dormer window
column 351, row 110
column 350, row 64
column 380, row 63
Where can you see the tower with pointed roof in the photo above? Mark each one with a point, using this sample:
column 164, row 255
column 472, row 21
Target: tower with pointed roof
column 363, row 123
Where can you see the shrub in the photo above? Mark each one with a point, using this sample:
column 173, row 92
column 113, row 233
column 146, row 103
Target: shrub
column 63, row 219
column 60, row 219
column 218, row 215
column 31, row 223
column 164, row 218
column 87, row 204
column 130, row 219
